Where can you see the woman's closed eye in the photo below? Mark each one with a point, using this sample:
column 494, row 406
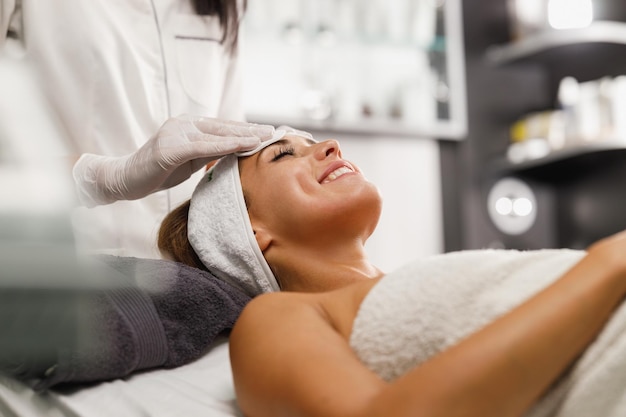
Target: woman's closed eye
column 282, row 152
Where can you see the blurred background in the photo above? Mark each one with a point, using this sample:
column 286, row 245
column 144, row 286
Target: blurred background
column 485, row 124
column 386, row 79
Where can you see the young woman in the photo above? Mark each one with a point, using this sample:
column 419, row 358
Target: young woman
column 295, row 353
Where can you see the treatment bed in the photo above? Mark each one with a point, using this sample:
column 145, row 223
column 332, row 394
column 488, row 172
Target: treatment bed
column 163, row 347
column 201, row 388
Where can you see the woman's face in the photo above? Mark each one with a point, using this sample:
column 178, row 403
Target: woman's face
column 302, row 191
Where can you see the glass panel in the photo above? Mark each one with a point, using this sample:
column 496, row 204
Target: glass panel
column 379, row 66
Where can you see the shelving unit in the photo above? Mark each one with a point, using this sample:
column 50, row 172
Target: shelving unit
column 559, row 52
column 579, row 191
column 578, row 187
column 342, row 67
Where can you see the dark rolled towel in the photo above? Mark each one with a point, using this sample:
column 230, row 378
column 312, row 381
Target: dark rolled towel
column 135, row 314
column 193, row 305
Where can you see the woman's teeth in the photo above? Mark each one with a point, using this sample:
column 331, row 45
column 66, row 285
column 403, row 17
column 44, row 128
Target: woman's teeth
column 336, row 174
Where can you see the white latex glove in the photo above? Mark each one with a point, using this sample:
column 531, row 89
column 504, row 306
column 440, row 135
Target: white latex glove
column 182, row 146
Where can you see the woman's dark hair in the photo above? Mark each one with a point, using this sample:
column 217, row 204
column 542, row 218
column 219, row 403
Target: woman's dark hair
column 229, row 15
column 173, row 242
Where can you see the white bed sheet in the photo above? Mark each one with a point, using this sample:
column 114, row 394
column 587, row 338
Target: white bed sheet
column 201, row 388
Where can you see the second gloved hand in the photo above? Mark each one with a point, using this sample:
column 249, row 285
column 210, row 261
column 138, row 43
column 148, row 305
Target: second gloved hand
column 181, row 147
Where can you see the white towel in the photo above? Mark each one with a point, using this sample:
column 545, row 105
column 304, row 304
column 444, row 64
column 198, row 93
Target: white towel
column 432, row 304
column 219, row 228
column 220, row 232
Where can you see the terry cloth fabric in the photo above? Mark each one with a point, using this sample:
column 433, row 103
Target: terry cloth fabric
column 220, row 232
column 219, row 228
column 428, row 306
column 149, row 313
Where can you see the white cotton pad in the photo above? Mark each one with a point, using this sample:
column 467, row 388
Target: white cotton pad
column 278, row 135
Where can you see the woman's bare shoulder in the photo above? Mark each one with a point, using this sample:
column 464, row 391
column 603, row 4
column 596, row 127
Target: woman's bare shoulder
column 280, row 337
column 335, row 308
column 273, row 308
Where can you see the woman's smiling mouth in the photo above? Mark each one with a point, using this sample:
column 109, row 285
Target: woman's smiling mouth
column 336, row 172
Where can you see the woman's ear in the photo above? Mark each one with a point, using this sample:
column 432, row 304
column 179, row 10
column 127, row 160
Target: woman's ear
column 263, row 237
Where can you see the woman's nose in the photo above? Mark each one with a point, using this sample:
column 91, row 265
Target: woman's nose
column 327, row 148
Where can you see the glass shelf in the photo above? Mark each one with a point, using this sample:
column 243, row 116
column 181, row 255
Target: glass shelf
column 378, row 67
column 545, row 43
column 368, row 127
column 570, row 154
column 560, row 51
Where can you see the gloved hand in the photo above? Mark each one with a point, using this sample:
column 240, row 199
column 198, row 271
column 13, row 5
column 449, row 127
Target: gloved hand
column 182, row 146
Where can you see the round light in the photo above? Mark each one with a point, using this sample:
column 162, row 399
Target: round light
column 512, row 206
column 522, row 207
column 504, row 206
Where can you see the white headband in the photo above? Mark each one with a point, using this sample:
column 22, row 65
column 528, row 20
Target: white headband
column 219, row 227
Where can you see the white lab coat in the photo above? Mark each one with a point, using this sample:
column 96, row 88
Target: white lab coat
column 115, row 70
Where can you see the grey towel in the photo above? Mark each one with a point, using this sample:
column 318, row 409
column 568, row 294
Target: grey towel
column 142, row 314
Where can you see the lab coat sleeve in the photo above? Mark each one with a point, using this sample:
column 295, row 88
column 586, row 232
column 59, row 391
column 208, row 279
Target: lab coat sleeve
column 8, row 21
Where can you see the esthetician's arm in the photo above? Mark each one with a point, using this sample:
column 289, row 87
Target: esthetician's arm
column 289, row 360
column 182, row 146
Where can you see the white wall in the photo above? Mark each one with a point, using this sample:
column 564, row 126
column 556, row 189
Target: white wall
column 407, row 173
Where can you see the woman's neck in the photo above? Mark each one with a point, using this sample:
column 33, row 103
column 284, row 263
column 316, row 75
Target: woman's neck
column 305, row 269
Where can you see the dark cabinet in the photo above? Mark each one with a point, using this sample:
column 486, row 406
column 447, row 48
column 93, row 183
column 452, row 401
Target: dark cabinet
column 578, row 192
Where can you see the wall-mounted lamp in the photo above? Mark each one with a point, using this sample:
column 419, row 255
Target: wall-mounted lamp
column 512, row 206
